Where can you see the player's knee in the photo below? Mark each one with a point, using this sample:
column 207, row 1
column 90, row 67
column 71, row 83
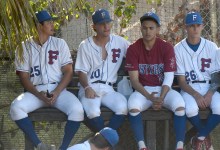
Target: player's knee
column 122, row 106
column 93, row 114
column 76, row 108
column 76, row 113
column 79, row 111
column 216, row 110
column 192, row 112
column 13, row 110
column 180, row 111
column 134, row 112
column 16, row 112
column 122, row 110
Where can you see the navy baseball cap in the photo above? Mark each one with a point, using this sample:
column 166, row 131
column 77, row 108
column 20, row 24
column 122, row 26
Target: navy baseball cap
column 43, row 16
column 110, row 135
column 193, row 18
column 100, row 16
column 150, row 15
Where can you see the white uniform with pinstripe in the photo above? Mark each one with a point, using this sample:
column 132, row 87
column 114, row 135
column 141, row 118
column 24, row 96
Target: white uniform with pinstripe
column 89, row 60
column 44, row 64
column 198, row 66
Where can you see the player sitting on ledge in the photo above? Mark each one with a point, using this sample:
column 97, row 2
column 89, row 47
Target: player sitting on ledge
column 151, row 64
column 98, row 60
column 45, row 70
column 196, row 60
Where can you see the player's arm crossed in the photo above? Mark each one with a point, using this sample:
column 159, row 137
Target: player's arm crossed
column 187, row 88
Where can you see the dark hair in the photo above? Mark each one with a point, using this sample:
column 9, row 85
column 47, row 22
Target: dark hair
column 36, row 22
column 99, row 141
column 149, row 19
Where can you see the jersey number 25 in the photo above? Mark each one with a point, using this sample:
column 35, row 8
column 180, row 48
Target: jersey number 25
column 35, row 71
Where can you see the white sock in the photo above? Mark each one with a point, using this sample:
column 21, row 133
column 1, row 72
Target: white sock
column 201, row 138
column 134, row 114
column 180, row 113
column 179, row 144
column 141, row 144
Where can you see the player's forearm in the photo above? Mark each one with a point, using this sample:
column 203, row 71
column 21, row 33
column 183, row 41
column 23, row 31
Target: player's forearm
column 134, row 77
column 164, row 91
column 67, row 77
column 83, row 79
column 27, row 84
column 215, row 78
column 188, row 89
column 140, row 88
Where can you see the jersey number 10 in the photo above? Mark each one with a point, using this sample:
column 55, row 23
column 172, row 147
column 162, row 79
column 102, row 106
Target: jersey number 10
column 95, row 74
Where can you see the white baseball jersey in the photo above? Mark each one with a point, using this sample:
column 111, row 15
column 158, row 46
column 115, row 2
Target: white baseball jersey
column 44, row 63
column 196, row 66
column 82, row 146
column 89, row 59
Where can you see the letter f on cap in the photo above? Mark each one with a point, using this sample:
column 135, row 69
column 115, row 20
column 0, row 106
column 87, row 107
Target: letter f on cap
column 194, row 17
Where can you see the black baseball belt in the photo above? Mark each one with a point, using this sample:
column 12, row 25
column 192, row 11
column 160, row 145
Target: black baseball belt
column 103, row 82
column 204, row 81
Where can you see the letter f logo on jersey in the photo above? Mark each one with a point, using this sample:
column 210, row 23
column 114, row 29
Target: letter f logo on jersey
column 115, row 54
column 52, row 55
column 205, row 63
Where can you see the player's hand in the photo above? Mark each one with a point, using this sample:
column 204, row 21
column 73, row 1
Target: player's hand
column 200, row 100
column 43, row 96
column 54, row 96
column 90, row 93
column 152, row 96
column 157, row 103
column 208, row 98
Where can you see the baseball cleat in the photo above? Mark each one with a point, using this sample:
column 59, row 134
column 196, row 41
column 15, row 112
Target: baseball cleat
column 208, row 143
column 196, row 143
column 43, row 146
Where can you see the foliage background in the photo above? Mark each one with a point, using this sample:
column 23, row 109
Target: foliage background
column 73, row 24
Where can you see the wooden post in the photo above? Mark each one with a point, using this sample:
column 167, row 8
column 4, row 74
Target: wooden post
column 151, row 134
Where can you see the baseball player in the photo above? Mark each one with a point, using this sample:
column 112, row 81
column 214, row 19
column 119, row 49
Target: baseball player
column 196, row 61
column 151, row 64
column 45, row 71
column 106, row 139
column 98, row 60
